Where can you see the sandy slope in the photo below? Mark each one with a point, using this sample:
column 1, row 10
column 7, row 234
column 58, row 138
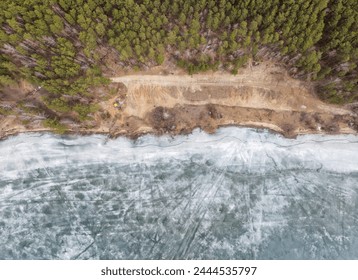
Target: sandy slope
column 260, row 96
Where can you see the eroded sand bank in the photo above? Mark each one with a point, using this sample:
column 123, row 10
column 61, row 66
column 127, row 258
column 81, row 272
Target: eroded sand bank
column 261, row 96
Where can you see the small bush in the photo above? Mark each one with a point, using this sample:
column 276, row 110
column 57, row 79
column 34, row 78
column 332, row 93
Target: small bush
column 55, row 125
column 58, row 105
column 84, row 110
column 5, row 111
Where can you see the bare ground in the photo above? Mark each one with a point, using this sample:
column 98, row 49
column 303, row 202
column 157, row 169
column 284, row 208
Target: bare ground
column 261, row 96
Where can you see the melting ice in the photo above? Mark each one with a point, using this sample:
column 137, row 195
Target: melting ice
column 238, row 194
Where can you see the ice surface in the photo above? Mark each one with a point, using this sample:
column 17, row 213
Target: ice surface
column 238, row 194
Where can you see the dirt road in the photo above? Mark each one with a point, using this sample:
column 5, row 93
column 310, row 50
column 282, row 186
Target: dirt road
column 261, row 76
column 264, row 86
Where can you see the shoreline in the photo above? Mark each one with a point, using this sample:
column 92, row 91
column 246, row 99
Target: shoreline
column 137, row 135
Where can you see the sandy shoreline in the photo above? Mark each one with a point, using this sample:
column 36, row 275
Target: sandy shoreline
column 154, row 103
column 138, row 134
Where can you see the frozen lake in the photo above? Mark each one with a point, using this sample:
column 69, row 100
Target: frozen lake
column 239, row 194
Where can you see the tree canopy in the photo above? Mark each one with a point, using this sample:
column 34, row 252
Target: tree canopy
column 60, row 44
